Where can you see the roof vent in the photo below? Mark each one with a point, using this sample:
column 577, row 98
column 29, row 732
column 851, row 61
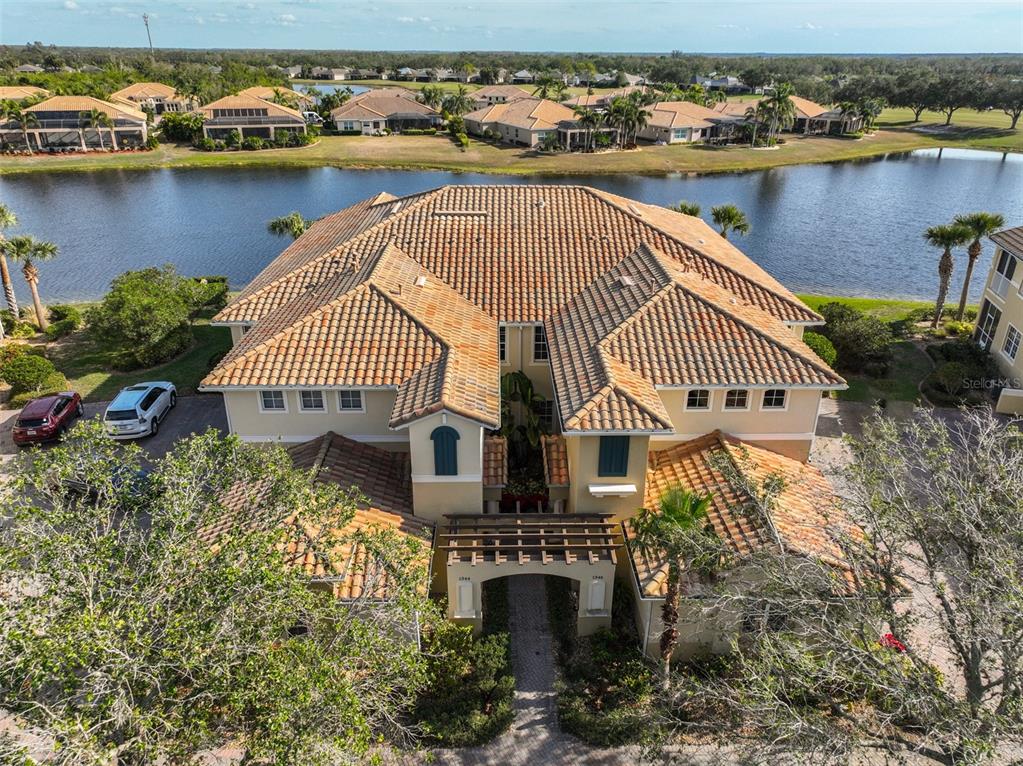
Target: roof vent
column 541, row 204
column 626, row 281
column 421, row 280
column 701, row 241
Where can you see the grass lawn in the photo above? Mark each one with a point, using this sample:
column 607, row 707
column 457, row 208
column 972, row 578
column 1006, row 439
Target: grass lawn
column 87, row 365
column 887, row 310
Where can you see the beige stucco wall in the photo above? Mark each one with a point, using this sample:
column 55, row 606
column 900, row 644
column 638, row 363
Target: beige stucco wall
column 583, row 457
column 247, row 421
column 519, row 356
column 432, row 495
column 1011, row 307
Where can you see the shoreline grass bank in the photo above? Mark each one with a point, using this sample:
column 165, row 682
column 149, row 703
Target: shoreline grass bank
column 399, row 152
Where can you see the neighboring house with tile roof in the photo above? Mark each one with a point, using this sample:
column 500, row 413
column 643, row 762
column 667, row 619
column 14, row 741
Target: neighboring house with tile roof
column 523, row 121
column 392, row 321
column 602, row 100
column 60, row 124
column 393, row 109
column 158, row 97
column 250, row 116
column 288, row 96
column 810, row 118
column 21, row 92
column 1000, row 321
column 683, row 122
column 489, row 95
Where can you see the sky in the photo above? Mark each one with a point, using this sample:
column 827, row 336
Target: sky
column 724, row 26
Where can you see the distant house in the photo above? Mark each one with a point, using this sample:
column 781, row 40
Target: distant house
column 523, row 77
column 724, row 83
column 29, row 69
column 407, row 74
column 21, row 92
column 368, row 74
column 525, row 121
column 497, row 94
column 91, row 69
column 811, row 118
column 600, row 101
column 674, row 122
column 293, row 71
column 292, row 98
column 393, row 109
column 158, row 97
column 60, row 125
column 250, row 116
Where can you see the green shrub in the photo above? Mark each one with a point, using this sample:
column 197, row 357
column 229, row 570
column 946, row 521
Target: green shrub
column 206, row 293
column 964, row 373
column 468, row 698
column 252, row 143
column 61, row 311
column 951, row 376
column 349, row 132
column 52, row 384
column 182, row 127
column 234, row 138
column 863, row 343
column 152, row 142
column 822, row 347
column 64, row 320
column 958, row 329
column 8, row 320
column 26, row 372
column 463, row 141
column 206, row 144
column 146, row 316
column 61, row 329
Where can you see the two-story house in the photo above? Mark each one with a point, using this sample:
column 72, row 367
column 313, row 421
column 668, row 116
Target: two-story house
column 1000, row 321
column 389, row 325
column 155, row 96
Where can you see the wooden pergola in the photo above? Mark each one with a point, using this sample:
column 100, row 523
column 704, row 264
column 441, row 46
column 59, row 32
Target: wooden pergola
column 523, row 538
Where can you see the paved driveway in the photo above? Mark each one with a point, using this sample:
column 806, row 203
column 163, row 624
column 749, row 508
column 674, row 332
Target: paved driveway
column 193, row 415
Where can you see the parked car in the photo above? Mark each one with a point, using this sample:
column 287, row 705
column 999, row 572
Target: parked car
column 138, row 410
column 46, row 418
column 312, row 118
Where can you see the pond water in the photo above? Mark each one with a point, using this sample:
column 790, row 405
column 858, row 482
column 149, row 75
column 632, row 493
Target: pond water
column 852, row 228
column 330, row 87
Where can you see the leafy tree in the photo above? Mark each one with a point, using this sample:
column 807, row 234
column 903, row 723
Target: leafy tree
column 981, row 225
column 145, row 316
column 912, row 90
column 28, row 251
column 1007, row 95
column 459, row 102
column 589, row 120
column 946, row 237
column 182, row 127
column 164, row 638
column 822, row 347
column 950, row 93
column 7, row 220
column 730, row 218
column 862, row 343
column 676, row 532
column 686, row 208
column 292, row 224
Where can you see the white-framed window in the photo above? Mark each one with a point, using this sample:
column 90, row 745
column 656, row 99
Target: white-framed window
column 545, row 412
column 737, row 399
column 540, row 351
column 698, row 399
column 350, row 401
column 774, row 399
column 502, row 343
column 987, row 323
column 311, row 401
column 272, row 401
column 1010, row 346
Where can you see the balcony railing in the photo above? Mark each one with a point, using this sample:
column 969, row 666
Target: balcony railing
column 1000, row 285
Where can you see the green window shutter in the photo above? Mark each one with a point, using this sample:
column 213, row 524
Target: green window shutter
column 445, row 451
column 614, row 456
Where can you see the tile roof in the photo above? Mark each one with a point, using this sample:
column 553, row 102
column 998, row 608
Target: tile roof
column 1010, row 239
column 251, row 102
column 382, row 102
column 804, row 107
column 591, row 100
column 495, row 461
column 807, row 108
column 380, row 482
column 681, row 114
column 143, row 90
column 268, row 93
column 19, row 92
column 86, row 104
column 491, row 91
column 555, row 460
column 528, row 113
column 382, row 322
column 807, row 516
column 328, row 314
column 646, row 323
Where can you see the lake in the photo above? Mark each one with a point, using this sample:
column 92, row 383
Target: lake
column 330, row 87
column 852, row 228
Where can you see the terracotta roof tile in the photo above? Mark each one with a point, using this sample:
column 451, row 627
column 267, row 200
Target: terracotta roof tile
column 555, row 460
column 85, row 104
column 528, row 113
column 144, row 90
column 19, row 92
column 681, row 114
column 268, row 93
column 251, row 102
column 495, row 461
column 807, row 516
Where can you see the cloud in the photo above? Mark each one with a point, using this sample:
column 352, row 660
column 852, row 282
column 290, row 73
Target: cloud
column 71, row 5
column 199, row 20
column 727, row 26
column 405, row 20
column 808, row 25
column 425, row 19
column 286, row 19
column 248, row 6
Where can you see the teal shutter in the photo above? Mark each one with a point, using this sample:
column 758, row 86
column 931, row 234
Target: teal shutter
column 445, row 451
column 614, row 456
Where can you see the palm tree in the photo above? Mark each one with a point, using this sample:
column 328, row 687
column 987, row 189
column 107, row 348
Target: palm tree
column 980, row 225
column 26, row 120
column 678, row 533
column 94, row 118
column 589, row 120
column 755, row 114
column 545, row 85
column 7, row 220
column 458, row 102
column 686, row 208
column 28, row 251
column 946, row 237
column 780, row 108
column 431, row 95
column 292, row 224
column 730, row 218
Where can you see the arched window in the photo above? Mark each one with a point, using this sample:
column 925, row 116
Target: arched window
column 445, row 451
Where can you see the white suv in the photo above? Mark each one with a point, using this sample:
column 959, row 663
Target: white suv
column 138, row 410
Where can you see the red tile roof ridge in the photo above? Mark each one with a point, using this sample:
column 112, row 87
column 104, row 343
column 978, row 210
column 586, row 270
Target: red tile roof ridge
column 627, row 208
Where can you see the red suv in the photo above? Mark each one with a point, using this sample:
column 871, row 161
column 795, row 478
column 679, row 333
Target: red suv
column 46, row 418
